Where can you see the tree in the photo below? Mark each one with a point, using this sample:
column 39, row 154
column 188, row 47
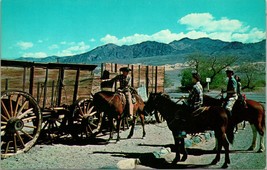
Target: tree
column 207, row 66
column 253, row 74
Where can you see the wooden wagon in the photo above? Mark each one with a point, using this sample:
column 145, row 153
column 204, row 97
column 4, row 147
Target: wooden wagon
column 55, row 100
column 45, row 97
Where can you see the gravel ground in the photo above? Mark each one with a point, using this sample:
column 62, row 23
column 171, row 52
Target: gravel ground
column 101, row 155
column 91, row 155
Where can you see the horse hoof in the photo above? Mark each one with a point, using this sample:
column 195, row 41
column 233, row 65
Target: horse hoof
column 143, row 137
column 129, row 137
column 214, row 162
column 250, row 149
column 260, row 150
column 184, row 158
column 224, row 166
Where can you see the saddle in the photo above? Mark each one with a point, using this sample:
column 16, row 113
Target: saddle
column 200, row 110
column 122, row 96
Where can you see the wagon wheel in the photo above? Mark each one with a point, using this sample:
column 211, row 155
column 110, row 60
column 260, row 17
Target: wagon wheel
column 21, row 121
column 51, row 126
column 86, row 121
column 158, row 116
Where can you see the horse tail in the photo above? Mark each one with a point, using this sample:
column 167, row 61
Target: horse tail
column 263, row 118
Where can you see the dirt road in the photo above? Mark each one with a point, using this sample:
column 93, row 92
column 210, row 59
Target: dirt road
column 100, row 155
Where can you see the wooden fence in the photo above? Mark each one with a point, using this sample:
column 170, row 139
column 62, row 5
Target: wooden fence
column 55, row 84
column 152, row 77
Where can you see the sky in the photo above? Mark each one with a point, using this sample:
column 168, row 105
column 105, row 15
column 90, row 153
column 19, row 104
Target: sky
column 42, row 28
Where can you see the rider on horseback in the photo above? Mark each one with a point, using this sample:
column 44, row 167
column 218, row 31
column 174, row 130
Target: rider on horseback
column 231, row 91
column 125, row 87
column 195, row 99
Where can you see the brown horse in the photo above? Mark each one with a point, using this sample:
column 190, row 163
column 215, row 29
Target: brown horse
column 254, row 113
column 210, row 118
column 113, row 104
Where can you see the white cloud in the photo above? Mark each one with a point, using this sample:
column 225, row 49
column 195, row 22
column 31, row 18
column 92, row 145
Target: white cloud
column 109, row 39
column 25, row 45
column 224, row 29
column 35, row 55
column 77, row 48
column 164, row 36
column 198, row 25
column 54, row 46
column 206, row 22
column 92, row 40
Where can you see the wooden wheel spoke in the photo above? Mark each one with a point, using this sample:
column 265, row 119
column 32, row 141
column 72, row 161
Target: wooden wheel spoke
column 88, row 107
column 3, row 127
column 25, row 113
column 21, row 108
column 89, row 128
column 20, row 138
column 45, row 125
column 84, row 108
column 11, row 105
column 93, row 113
column 93, row 124
column 5, row 109
column 80, row 110
column 17, row 105
column 3, row 132
column 15, row 144
column 4, row 123
column 7, row 146
column 90, row 110
column 29, row 126
column 27, row 134
column 28, row 119
column 3, row 117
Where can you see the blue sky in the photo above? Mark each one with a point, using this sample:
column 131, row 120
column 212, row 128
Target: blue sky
column 41, row 28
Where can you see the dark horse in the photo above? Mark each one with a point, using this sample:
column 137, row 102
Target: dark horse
column 113, row 104
column 210, row 118
column 254, row 113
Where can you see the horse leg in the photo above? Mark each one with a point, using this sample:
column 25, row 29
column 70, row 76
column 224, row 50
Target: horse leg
column 118, row 127
column 177, row 148
column 110, row 120
column 216, row 144
column 226, row 148
column 254, row 139
column 262, row 148
column 132, row 128
column 217, row 158
column 244, row 125
column 142, row 117
column 184, row 151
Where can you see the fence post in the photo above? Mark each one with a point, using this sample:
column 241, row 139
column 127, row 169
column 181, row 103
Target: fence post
column 24, row 79
column 6, row 84
column 147, row 80
column 76, row 85
column 132, row 82
column 45, row 87
column 156, row 79
column 31, row 80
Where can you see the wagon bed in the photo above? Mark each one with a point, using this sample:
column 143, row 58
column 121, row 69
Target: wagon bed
column 45, row 97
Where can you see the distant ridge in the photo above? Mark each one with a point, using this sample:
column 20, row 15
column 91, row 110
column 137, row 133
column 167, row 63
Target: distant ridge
column 155, row 53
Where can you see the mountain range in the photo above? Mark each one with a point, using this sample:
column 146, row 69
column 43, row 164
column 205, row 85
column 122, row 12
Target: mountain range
column 156, row 53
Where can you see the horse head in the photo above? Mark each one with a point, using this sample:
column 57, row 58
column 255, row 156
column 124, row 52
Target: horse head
column 211, row 101
column 153, row 101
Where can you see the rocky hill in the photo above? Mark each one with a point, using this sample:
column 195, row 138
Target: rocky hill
column 155, row 53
